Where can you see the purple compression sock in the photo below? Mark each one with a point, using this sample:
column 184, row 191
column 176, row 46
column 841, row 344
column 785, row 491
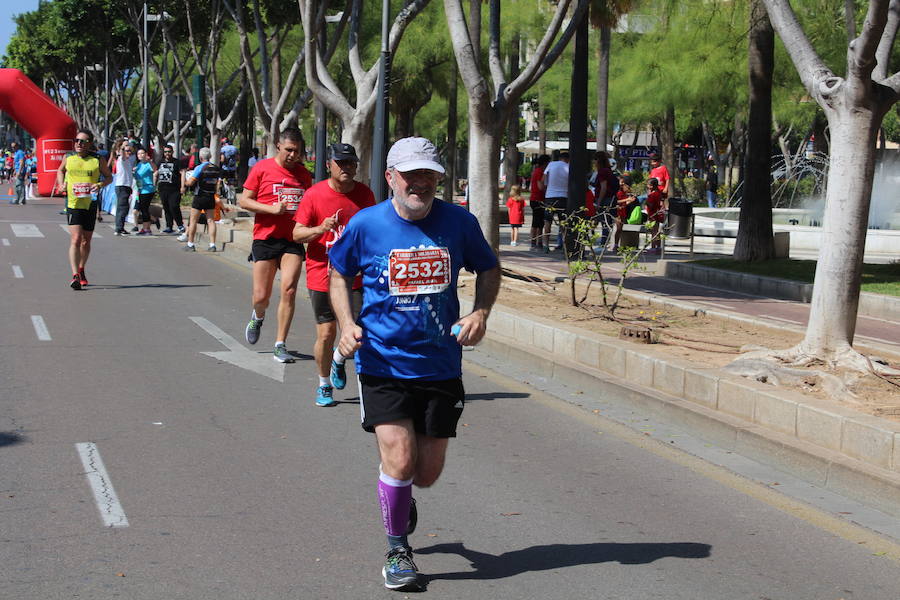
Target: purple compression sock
column 394, row 496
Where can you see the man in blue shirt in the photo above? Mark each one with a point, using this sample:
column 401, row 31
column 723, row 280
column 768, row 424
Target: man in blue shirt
column 19, row 173
column 409, row 335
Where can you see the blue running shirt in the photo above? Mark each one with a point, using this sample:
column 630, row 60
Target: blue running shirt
column 409, row 271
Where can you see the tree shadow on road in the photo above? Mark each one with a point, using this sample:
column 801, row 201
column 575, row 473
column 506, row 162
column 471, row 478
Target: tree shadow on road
column 496, row 396
column 11, row 438
column 557, row 556
column 164, row 286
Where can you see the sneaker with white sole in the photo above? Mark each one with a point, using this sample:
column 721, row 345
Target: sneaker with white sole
column 324, row 396
column 400, row 572
column 281, row 354
column 252, row 330
column 338, row 375
column 182, row 237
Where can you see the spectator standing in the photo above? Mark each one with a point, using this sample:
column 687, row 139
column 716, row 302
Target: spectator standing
column 712, row 185
column 605, row 185
column 124, row 162
column 170, row 182
column 144, row 176
column 18, row 173
column 30, row 172
column 515, row 204
column 556, row 192
column 254, row 158
column 656, row 213
column 228, row 161
column 660, row 172
column 536, row 201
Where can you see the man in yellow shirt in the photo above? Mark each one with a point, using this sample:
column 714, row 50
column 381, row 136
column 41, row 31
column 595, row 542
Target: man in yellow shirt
column 80, row 174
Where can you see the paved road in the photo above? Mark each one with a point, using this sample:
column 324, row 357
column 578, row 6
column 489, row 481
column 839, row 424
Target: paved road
column 234, row 485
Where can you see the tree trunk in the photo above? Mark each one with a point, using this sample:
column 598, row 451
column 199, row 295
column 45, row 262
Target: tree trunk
column 667, row 143
column 835, row 299
column 755, row 240
column 452, row 127
column 511, row 154
column 579, row 161
column 359, row 133
column 484, row 148
column 603, row 85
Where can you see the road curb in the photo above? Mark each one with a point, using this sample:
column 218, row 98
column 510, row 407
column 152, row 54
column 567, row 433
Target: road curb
column 851, row 453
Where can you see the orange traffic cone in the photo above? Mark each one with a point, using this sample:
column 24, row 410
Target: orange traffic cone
column 10, row 191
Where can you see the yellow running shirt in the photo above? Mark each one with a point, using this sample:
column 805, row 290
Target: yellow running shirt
column 81, row 174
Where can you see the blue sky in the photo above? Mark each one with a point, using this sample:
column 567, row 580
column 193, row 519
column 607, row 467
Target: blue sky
column 7, row 25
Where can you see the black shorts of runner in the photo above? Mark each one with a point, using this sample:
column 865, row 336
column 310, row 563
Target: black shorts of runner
column 86, row 217
column 434, row 406
column 321, row 305
column 273, row 249
column 203, row 202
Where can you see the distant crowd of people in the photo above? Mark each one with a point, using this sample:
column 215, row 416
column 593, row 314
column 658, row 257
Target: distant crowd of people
column 19, row 167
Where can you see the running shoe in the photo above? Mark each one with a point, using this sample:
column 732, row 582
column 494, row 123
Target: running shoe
column 82, row 278
column 252, row 330
column 212, row 248
column 122, row 232
column 324, row 396
column 181, row 229
column 76, row 282
column 182, row 237
column 190, row 248
column 144, row 232
column 400, row 572
column 413, row 517
column 338, row 375
column 168, row 230
column 282, row 355
column 134, row 230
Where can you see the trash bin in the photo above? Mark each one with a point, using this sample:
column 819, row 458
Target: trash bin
column 678, row 223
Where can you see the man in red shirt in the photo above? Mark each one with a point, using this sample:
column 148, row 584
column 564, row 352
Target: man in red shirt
column 330, row 203
column 536, row 201
column 273, row 190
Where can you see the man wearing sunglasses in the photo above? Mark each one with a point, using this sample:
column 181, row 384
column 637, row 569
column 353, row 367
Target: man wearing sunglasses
column 169, row 180
column 80, row 174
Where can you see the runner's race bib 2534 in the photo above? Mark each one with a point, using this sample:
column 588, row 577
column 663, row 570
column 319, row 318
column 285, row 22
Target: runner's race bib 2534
column 418, row 271
column 291, row 197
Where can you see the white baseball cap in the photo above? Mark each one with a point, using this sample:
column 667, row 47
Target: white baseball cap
column 412, row 153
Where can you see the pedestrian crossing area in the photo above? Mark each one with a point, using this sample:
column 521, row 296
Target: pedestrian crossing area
column 38, row 230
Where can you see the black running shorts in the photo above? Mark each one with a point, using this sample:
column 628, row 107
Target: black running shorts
column 434, row 406
column 86, row 217
column 203, row 202
column 274, row 248
column 321, row 305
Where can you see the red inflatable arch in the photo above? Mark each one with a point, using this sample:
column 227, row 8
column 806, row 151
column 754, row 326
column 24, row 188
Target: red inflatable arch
column 50, row 125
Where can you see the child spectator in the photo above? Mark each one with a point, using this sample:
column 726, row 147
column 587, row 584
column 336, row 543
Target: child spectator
column 655, row 213
column 623, row 198
column 516, row 205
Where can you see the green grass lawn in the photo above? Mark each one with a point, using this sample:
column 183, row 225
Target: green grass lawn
column 878, row 279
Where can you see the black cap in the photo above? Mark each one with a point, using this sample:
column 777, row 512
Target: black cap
column 654, row 156
column 341, row 151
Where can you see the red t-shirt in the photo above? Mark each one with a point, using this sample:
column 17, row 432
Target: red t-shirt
column 516, row 206
column 537, row 194
column 662, row 175
column 654, row 206
column 272, row 183
column 622, row 204
column 589, row 204
column 319, row 203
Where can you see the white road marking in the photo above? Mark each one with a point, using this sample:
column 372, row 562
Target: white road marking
column 793, row 322
column 875, row 339
column 26, row 230
column 240, row 356
column 66, row 229
column 725, row 306
column 111, row 510
column 17, row 272
column 5, row 242
column 40, row 328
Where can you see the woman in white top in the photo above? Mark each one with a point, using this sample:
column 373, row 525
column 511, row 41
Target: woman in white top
column 123, row 179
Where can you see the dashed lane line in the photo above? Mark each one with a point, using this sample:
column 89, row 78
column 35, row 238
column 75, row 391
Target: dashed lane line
column 5, row 242
column 17, row 272
column 26, row 230
column 40, row 328
column 111, row 511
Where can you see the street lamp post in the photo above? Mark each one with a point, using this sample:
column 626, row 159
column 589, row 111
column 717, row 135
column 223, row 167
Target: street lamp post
column 94, row 68
column 145, row 111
